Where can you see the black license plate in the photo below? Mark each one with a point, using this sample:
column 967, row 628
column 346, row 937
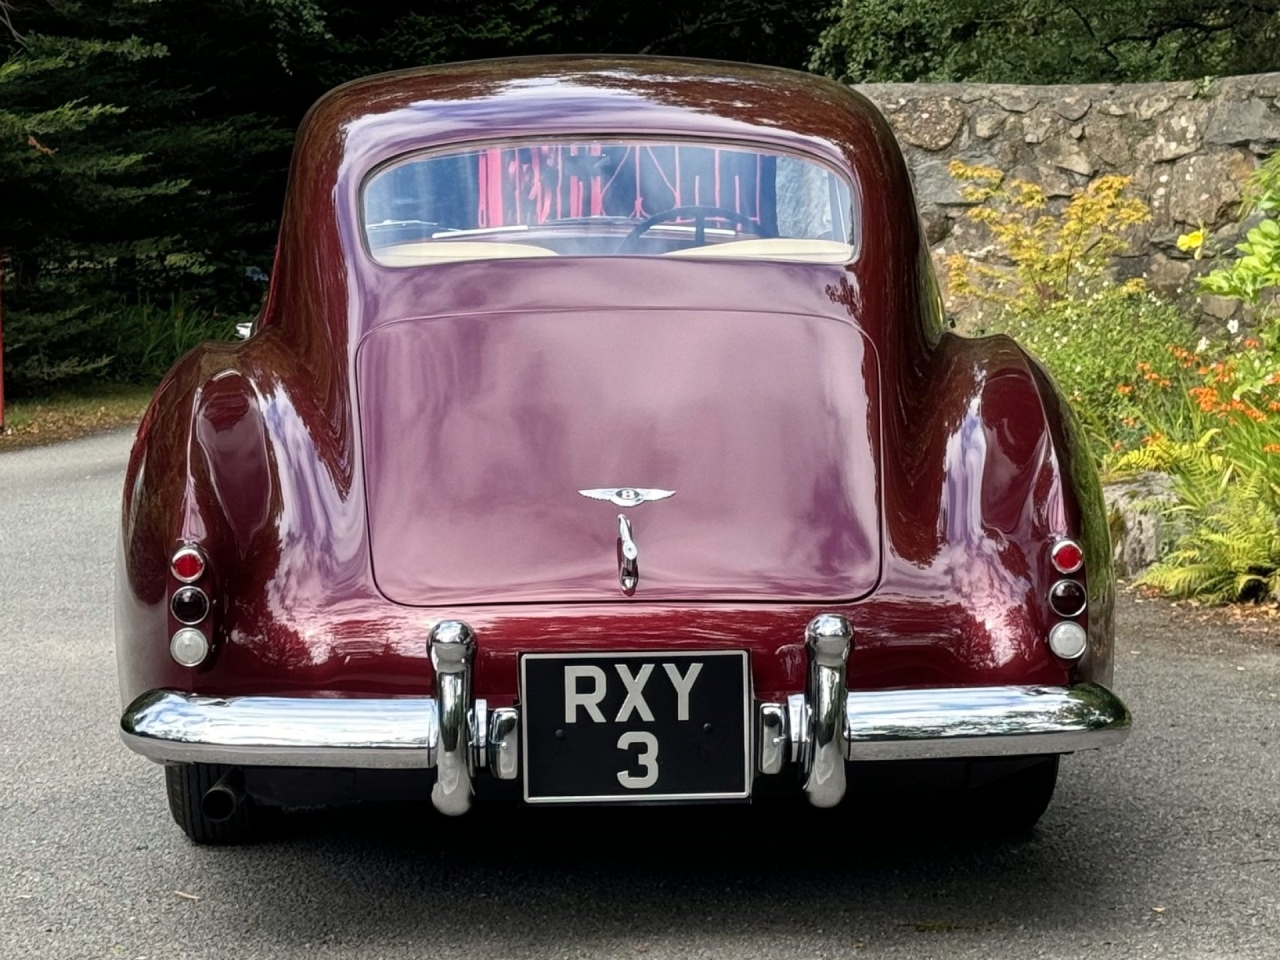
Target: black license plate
column 635, row 727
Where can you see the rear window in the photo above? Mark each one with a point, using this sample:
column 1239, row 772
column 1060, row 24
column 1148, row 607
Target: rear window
column 612, row 197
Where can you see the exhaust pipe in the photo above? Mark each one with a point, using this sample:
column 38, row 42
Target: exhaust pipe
column 221, row 801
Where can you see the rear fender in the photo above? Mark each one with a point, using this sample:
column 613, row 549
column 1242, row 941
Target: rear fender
column 984, row 470
column 229, row 456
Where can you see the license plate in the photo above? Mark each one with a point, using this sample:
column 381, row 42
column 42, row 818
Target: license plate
column 635, row 727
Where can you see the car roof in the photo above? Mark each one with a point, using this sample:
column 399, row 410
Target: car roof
column 323, row 274
column 378, row 118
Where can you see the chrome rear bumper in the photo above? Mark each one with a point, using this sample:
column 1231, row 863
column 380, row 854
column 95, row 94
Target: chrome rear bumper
column 283, row 731
column 813, row 733
column 405, row 732
column 981, row 722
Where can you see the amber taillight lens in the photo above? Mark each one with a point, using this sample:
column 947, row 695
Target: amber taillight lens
column 187, row 565
column 190, row 605
column 1068, row 598
column 1067, row 556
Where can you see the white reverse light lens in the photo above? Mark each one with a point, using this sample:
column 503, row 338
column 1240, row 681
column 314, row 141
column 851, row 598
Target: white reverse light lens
column 1068, row 640
column 189, row 647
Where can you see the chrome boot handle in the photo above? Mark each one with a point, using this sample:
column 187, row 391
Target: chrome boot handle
column 628, row 557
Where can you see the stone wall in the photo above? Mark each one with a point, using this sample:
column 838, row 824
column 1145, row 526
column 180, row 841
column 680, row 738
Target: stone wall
column 1187, row 147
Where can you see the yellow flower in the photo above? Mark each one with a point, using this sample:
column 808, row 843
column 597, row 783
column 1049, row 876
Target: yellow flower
column 1193, row 241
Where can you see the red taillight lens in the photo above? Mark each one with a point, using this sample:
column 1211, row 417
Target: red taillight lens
column 1067, row 556
column 187, row 564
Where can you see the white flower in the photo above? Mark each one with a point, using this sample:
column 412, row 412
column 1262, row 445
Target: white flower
column 1233, row 326
column 1202, row 345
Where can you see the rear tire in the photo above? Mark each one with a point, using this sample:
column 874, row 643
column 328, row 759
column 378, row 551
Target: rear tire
column 1014, row 804
column 187, row 784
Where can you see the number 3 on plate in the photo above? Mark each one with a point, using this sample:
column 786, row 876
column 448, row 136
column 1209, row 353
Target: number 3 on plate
column 648, row 759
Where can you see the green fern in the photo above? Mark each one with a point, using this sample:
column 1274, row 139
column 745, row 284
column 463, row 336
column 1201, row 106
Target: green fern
column 1232, row 553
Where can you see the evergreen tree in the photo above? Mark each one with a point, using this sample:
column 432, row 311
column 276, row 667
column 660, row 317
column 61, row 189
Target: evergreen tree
column 56, row 181
column 127, row 174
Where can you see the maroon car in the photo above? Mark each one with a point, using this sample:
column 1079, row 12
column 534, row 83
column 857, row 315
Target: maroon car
column 601, row 441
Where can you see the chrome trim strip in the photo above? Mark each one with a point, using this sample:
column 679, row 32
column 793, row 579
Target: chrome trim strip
column 282, row 731
column 452, row 645
column 798, row 729
column 829, row 638
column 775, row 744
column 478, row 724
column 504, row 743
column 981, row 722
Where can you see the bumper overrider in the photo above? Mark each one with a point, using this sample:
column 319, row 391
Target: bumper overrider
column 812, row 733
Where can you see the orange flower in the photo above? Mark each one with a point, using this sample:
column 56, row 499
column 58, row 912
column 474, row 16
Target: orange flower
column 1206, row 397
column 1222, row 372
column 1251, row 344
column 1124, row 389
column 1271, row 448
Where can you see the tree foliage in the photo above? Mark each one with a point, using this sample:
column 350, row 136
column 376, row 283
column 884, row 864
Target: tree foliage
column 127, row 174
column 1048, row 41
column 143, row 146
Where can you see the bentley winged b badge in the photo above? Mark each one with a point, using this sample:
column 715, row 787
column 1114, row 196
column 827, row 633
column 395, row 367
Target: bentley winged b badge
column 628, row 552
column 627, row 496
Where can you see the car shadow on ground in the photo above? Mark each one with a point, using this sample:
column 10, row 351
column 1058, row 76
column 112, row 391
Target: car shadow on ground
column 517, row 877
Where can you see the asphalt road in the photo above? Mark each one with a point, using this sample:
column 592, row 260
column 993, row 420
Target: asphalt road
column 1166, row 847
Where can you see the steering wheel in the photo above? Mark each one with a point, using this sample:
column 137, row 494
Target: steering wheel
column 699, row 214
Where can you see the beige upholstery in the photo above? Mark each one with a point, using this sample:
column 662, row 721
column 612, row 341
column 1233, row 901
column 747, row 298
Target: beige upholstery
column 773, row 248
column 425, row 253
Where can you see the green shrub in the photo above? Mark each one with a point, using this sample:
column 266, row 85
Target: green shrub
column 149, row 337
column 122, row 342
column 1218, row 435
column 1090, row 346
column 1048, row 282
column 1253, row 277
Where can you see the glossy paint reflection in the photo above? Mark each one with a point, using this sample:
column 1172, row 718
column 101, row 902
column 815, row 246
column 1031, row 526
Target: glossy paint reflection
column 266, row 453
column 488, row 426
